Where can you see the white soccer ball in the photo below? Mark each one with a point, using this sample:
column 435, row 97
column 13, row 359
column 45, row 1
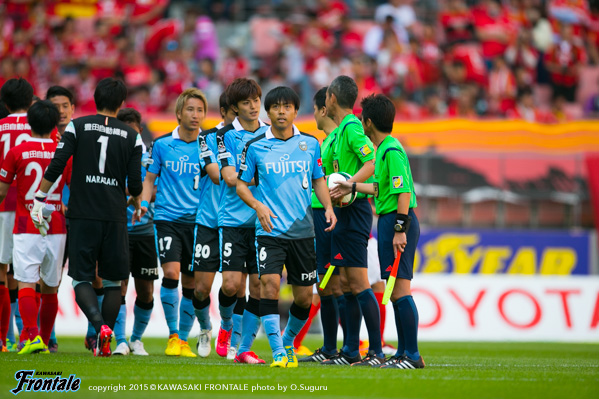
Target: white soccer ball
column 333, row 180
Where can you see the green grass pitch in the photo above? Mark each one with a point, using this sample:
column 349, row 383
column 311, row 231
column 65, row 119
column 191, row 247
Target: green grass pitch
column 453, row 370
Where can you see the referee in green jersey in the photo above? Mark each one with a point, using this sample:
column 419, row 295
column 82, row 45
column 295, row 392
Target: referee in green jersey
column 398, row 227
column 353, row 153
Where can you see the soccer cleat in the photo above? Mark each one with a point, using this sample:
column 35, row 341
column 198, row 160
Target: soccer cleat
column 223, row 342
column 371, row 359
column 303, row 351
column 249, row 358
column 137, row 348
column 291, row 358
column 186, row 350
column 103, row 342
column 3, row 348
column 231, row 353
column 173, row 347
column 91, row 342
column 279, row 360
column 318, row 356
column 11, row 347
column 403, row 362
column 35, row 346
column 341, row 359
column 203, row 345
column 121, row 349
column 53, row 346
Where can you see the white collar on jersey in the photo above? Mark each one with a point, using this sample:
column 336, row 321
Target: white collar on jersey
column 269, row 134
column 176, row 133
column 220, row 125
column 39, row 140
column 22, row 114
column 238, row 127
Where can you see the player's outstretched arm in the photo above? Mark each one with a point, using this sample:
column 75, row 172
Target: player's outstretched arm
column 229, row 175
column 213, row 172
column 145, row 197
column 365, row 172
column 345, row 187
column 322, row 193
column 262, row 211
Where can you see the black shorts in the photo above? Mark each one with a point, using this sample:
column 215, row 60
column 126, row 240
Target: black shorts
column 298, row 256
column 174, row 243
column 237, row 250
column 143, row 261
column 349, row 241
column 106, row 243
column 323, row 241
column 386, row 232
column 206, row 256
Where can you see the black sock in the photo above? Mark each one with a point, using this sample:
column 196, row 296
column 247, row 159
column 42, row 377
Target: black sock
column 111, row 305
column 86, row 298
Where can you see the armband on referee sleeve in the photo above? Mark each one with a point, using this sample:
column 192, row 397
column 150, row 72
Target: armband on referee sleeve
column 402, row 223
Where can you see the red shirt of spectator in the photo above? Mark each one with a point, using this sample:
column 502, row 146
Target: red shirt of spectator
column 494, row 29
column 572, row 12
column 563, row 60
column 471, row 56
column 330, row 13
column 457, row 21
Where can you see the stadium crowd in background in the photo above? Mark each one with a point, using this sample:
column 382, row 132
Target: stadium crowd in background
column 453, row 58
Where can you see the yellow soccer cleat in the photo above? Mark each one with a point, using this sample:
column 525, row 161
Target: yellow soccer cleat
column 280, row 360
column 173, row 347
column 291, row 358
column 186, row 350
column 35, row 346
column 303, row 351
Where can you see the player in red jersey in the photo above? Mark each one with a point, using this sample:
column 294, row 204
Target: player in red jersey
column 16, row 94
column 38, row 248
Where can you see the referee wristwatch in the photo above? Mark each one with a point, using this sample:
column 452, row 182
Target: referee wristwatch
column 402, row 223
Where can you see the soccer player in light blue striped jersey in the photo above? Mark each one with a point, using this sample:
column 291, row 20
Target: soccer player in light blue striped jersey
column 236, row 221
column 284, row 164
column 175, row 159
column 206, row 258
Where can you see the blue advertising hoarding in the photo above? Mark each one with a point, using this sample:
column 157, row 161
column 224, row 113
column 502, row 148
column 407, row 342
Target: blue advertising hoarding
column 503, row 252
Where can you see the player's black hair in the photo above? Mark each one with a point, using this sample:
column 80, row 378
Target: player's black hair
column 525, row 91
column 345, row 89
column 242, row 89
column 129, row 115
column 17, row 94
column 110, row 94
column 43, row 116
column 223, row 101
column 4, row 112
column 380, row 110
column 56, row 91
column 320, row 97
column 281, row 95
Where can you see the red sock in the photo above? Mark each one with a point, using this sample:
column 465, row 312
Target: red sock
column 29, row 310
column 48, row 312
column 4, row 312
column 297, row 342
column 38, row 297
column 383, row 312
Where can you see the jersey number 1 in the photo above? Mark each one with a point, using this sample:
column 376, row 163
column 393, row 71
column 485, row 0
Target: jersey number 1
column 103, row 140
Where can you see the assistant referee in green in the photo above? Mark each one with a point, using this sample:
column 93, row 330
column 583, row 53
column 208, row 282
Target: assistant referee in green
column 398, row 227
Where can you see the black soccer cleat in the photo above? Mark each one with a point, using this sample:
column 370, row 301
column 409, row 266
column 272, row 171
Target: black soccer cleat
column 403, row 362
column 371, row 359
column 318, row 356
column 341, row 359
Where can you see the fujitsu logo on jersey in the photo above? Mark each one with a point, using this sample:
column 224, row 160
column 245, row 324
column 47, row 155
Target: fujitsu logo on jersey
column 286, row 166
column 183, row 166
